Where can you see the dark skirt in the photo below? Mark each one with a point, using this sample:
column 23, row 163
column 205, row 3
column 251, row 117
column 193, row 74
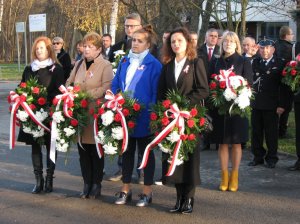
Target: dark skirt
column 229, row 129
column 188, row 172
column 28, row 139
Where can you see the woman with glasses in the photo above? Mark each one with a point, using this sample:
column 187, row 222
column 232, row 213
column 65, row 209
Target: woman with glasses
column 230, row 130
column 62, row 56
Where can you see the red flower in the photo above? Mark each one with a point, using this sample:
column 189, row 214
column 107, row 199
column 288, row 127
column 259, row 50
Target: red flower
column 212, row 85
column 74, row 122
column 32, row 106
column 36, row 90
column 213, row 76
column 125, row 112
column 50, row 113
column 55, row 101
column 153, row 116
column 190, row 123
column 41, row 101
column 23, row 98
column 298, row 57
column 131, row 124
column 166, row 103
column 95, row 116
column 84, row 103
column 101, row 111
column 136, row 106
column 222, row 84
column 76, row 89
column 284, row 72
column 293, row 63
column 121, row 101
column 232, row 74
column 202, row 121
column 70, row 104
column 91, row 111
column 98, row 102
column 165, row 121
column 156, row 133
column 194, row 112
column 117, row 117
column 293, row 72
column 192, row 137
column 184, row 137
column 23, row 84
column 70, row 113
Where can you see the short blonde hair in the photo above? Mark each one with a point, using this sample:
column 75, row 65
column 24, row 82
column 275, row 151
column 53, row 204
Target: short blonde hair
column 49, row 48
column 229, row 35
column 93, row 38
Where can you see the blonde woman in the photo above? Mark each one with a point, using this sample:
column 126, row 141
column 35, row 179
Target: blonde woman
column 230, row 130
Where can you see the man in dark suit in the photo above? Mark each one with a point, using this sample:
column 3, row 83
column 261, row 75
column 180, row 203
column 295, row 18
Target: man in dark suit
column 250, row 49
column 269, row 103
column 209, row 49
column 283, row 49
column 106, row 39
column 206, row 52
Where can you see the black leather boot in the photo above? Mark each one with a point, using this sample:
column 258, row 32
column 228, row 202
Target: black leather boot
column 95, row 191
column 49, row 176
column 38, row 172
column 187, row 206
column 178, row 205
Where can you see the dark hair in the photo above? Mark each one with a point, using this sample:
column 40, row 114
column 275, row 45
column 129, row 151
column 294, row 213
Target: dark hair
column 167, row 52
column 80, row 43
column 150, row 34
column 107, row 35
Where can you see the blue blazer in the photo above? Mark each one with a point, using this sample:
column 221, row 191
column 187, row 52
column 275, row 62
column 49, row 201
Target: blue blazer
column 143, row 87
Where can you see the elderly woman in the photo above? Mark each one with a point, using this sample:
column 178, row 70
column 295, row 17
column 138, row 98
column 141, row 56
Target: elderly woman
column 179, row 54
column 230, row 130
column 62, row 56
column 49, row 74
column 93, row 74
column 138, row 73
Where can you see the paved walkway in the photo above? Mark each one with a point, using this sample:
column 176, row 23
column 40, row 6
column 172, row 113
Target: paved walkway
column 265, row 195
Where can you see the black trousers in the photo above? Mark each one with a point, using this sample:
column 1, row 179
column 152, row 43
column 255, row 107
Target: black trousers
column 264, row 124
column 185, row 190
column 90, row 163
column 128, row 160
column 297, row 121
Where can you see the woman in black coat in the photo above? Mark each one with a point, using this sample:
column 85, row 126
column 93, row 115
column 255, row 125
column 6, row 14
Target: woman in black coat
column 49, row 74
column 230, row 130
column 182, row 71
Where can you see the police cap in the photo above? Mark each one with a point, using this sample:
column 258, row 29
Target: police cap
column 266, row 42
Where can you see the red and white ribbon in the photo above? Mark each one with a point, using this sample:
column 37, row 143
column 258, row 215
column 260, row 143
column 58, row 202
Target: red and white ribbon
column 67, row 97
column 18, row 101
column 98, row 145
column 178, row 121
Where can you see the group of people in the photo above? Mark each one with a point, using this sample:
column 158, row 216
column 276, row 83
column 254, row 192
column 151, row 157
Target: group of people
column 148, row 74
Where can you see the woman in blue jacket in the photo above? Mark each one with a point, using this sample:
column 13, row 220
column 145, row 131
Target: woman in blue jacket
column 138, row 73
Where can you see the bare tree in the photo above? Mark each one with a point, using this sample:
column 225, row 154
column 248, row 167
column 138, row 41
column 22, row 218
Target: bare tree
column 113, row 19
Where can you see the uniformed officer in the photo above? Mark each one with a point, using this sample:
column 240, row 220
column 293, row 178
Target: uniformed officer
column 269, row 102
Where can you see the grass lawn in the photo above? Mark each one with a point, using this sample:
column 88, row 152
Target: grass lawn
column 11, row 71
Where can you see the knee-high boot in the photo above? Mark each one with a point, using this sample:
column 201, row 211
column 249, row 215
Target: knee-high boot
column 38, row 172
column 49, row 176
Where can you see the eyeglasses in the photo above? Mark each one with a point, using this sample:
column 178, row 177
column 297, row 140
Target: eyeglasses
column 130, row 26
column 56, row 43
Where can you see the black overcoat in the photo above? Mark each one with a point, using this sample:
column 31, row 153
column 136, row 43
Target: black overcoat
column 230, row 129
column 192, row 84
column 50, row 78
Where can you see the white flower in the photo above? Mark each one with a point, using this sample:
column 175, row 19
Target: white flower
column 41, row 115
column 236, row 81
column 246, row 91
column 26, row 129
column 178, row 162
column 173, row 137
column 117, row 133
column 58, row 117
column 119, row 52
column 100, row 137
column 110, row 149
column 22, row 115
column 163, row 149
column 69, row 131
column 242, row 101
column 62, row 141
column 62, row 147
column 229, row 94
column 107, row 118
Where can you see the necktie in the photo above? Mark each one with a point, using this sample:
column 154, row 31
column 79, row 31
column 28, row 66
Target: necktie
column 209, row 53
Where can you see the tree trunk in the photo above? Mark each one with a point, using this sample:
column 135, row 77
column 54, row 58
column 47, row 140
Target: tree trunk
column 113, row 20
column 205, row 20
column 244, row 4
